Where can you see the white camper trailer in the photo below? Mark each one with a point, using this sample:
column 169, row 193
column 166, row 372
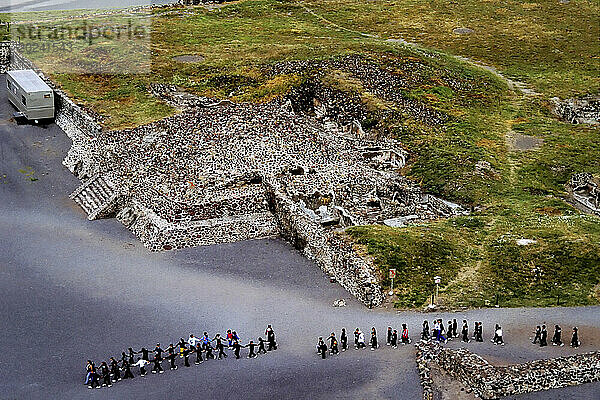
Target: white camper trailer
column 30, row 95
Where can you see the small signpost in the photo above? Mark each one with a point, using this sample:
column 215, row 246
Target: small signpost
column 392, row 276
column 437, row 280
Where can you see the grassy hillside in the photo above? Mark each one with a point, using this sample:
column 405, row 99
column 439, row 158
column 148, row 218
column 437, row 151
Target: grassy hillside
column 515, row 194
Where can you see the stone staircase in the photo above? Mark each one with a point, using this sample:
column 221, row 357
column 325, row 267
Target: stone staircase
column 96, row 196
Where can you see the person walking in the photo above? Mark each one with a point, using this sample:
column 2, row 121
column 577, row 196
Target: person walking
column 388, row 340
column 198, row 350
column 131, row 355
column 404, row 336
column 229, row 338
column 186, row 356
column 333, row 344
column 236, row 349
column 454, row 328
column 220, row 347
column 344, row 339
column 251, row 346
column 205, row 340
column 270, row 338
column 209, row 351
column 114, row 369
column 106, row 381
column 498, row 336
column 356, row 335
column 261, row 346
column 394, row 339
column 435, row 331
column 157, row 368
column 465, row 331
column 142, row 364
column 171, row 355
column 127, row 368
column 538, row 334
column 361, row 340
column 144, row 352
column 575, row 338
column 374, row 343
column 544, row 337
column 479, row 333
column 182, row 344
column 556, row 338
column 158, row 351
column 449, row 333
column 425, row 331
column 322, row 348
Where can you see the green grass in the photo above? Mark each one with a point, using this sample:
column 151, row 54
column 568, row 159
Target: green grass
column 551, row 46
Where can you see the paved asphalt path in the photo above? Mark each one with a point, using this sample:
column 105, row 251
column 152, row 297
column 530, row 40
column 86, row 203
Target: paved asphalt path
column 72, row 290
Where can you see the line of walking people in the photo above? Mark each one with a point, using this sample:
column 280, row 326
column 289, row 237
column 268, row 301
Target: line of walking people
column 541, row 336
column 115, row 370
column 359, row 340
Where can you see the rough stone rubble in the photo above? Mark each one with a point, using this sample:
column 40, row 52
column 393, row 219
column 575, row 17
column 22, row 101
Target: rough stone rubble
column 491, row 382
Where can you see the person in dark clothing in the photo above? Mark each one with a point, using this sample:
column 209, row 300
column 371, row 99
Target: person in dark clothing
column 198, row 351
column 261, row 346
column 322, row 348
column 344, row 340
column 556, row 338
column 538, row 334
column 333, row 344
column 374, row 344
column 209, row 352
column 454, row 328
column 114, row 369
column 220, row 347
column 127, row 368
column 186, row 357
column 465, row 331
column 157, row 368
column 270, row 338
column 449, row 333
column 575, row 338
column 123, row 358
column 106, row 381
column 356, row 335
column 394, row 339
column 171, row 357
column 405, row 339
column 182, row 344
column 131, row 356
column 158, row 352
column 479, row 333
column 388, row 340
column 251, row 346
column 544, row 337
column 236, row 349
column 475, row 330
column 144, row 352
column 425, row 331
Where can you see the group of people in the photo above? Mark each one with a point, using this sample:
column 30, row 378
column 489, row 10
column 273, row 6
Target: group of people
column 541, row 336
column 115, row 370
column 359, row 340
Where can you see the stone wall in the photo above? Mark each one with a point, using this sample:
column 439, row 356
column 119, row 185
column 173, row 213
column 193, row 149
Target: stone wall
column 491, row 382
column 4, row 57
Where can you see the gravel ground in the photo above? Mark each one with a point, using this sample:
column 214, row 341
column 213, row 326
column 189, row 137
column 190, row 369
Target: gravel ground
column 74, row 289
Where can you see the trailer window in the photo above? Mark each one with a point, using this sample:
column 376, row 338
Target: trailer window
column 47, row 96
column 8, row 85
column 23, row 100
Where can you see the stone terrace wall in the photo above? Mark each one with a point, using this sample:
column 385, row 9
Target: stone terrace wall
column 490, row 382
column 334, row 256
column 4, row 56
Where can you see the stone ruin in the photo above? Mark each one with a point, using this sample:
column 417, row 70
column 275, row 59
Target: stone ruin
column 583, row 110
column 220, row 172
column 585, row 191
column 492, row 382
